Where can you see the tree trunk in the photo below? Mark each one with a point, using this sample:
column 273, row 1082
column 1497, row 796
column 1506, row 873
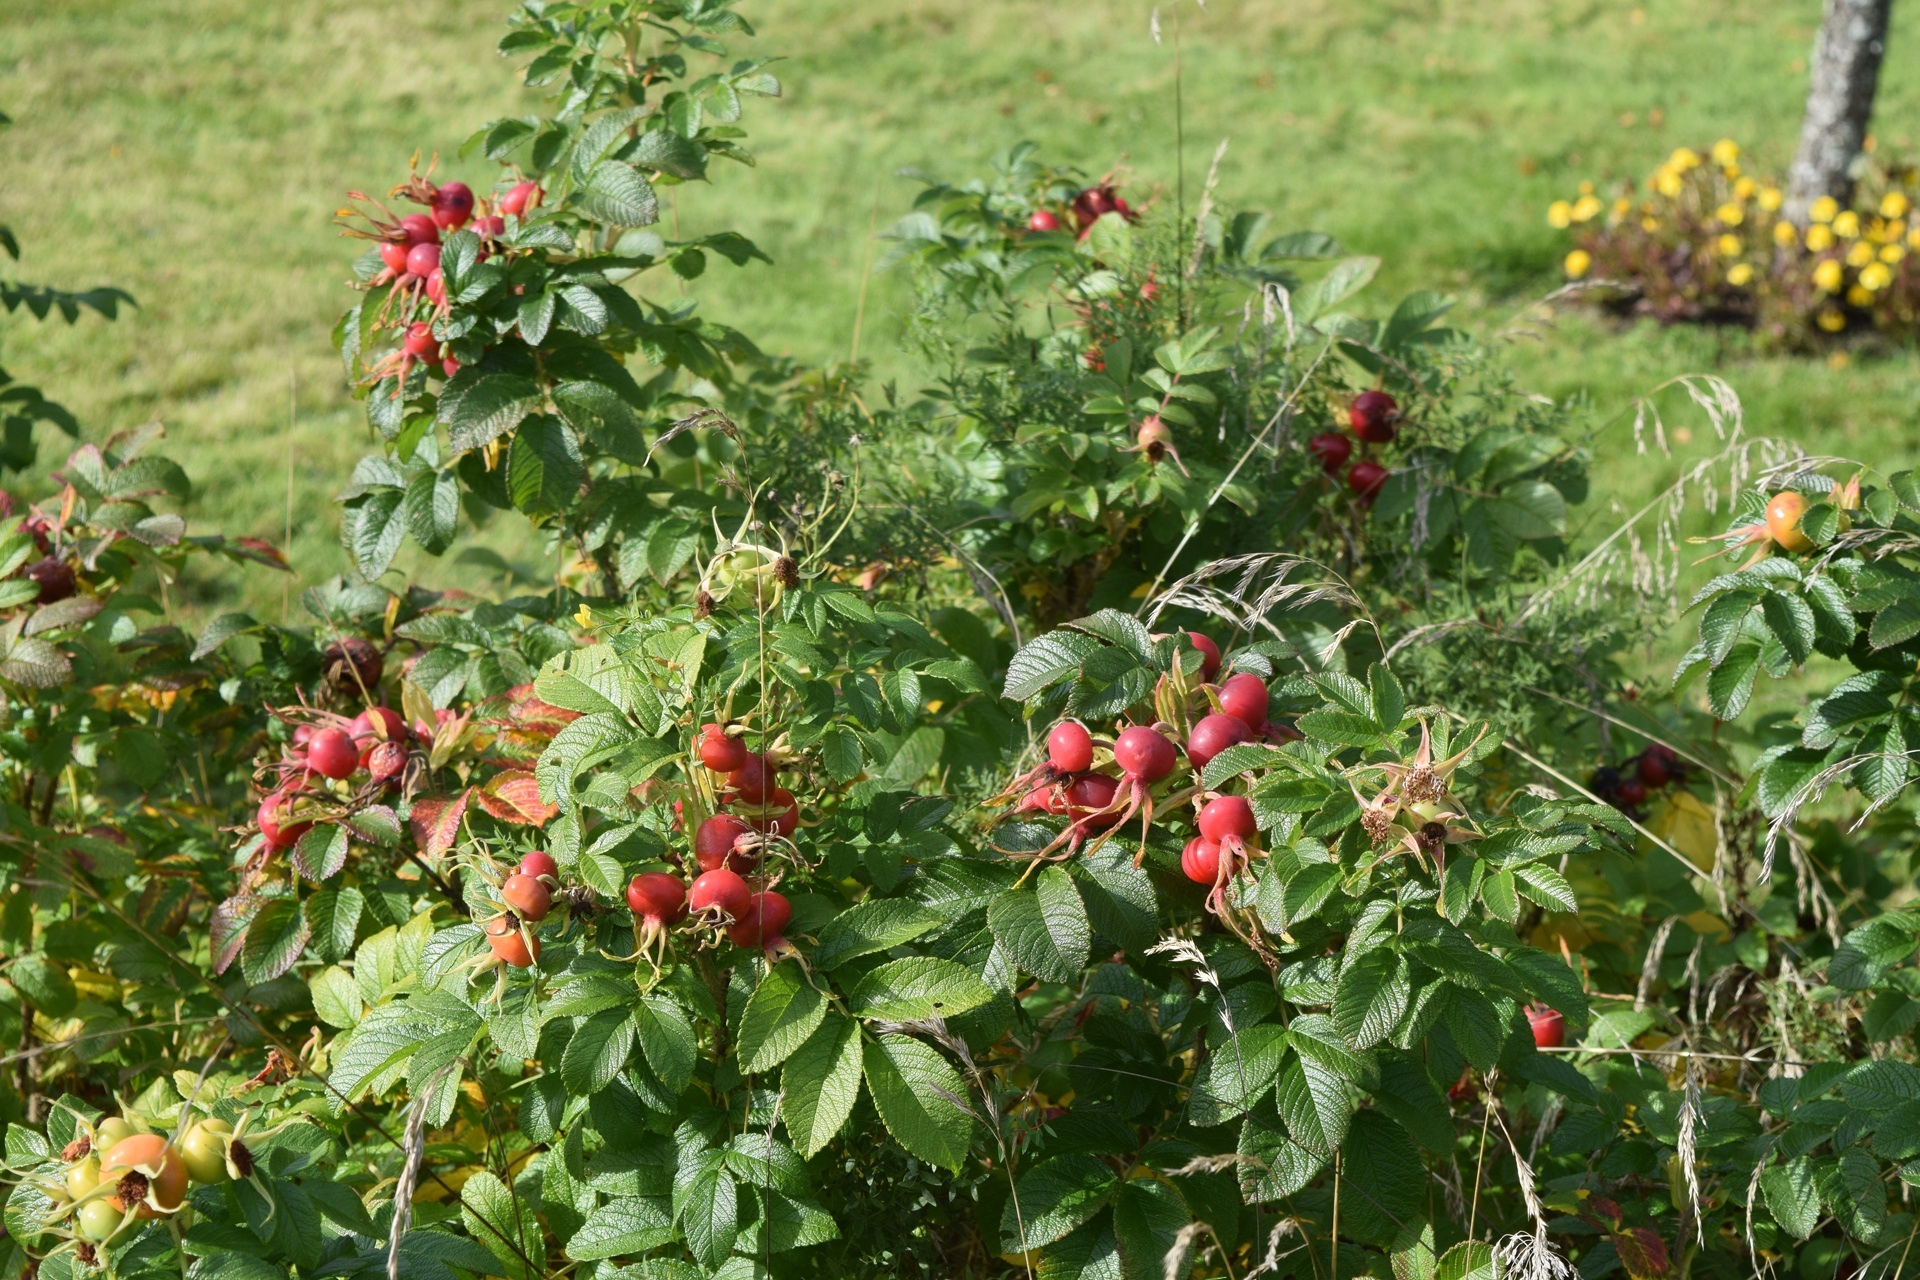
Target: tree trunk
column 1845, row 72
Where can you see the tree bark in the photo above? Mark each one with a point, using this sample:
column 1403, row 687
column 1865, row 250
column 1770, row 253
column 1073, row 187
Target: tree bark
column 1844, row 75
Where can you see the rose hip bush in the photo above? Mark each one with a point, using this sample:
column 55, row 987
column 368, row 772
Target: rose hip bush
column 1170, row 798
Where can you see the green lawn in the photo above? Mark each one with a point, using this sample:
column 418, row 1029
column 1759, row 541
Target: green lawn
column 193, row 151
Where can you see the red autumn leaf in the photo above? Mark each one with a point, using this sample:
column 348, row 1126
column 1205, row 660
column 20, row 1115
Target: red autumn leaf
column 436, row 822
column 1642, row 1253
column 515, row 797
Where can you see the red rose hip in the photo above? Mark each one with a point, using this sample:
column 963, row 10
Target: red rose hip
column 331, row 753
column 1200, row 861
column 718, row 751
column 524, row 197
column 1549, row 1027
column 713, row 843
column 452, row 206
column 540, row 866
column 526, row 897
column 656, row 897
column 1366, row 479
column 1144, row 754
column 766, row 918
column 1372, row 415
column 720, row 890
column 1332, row 449
column 1043, row 220
column 423, row 260
column 1070, row 747
column 1214, row 734
column 1209, row 654
column 1227, row 818
column 1244, row 697
column 419, row 228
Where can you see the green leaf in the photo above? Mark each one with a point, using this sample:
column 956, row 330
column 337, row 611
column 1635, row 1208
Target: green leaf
column 666, row 1039
column 1791, row 1196
column 919, row 1097
column 1730, row 684
column 781, row 1013
column 375, row 527
column 821, row 1083
column 1044, row 930
column 333, row 918
column 1053, row 1198
column 544, row 466
column 1790, row 619
column 1869, row 952
column 1379, row 1156
column 622, row 1227
column 615, row 193
column 597, row 1052
column 1468, row 1260
column 45, row 984
column 505, row 1223
column 1316, row 1104
column 489, row 407
column 1547, row 887
column 706, row 1204
column 1046, row 661
column 1147, row 1217
column 275, row 940
column 1276, row 1166
column 878, row 924
column 916, row 988
column 432, row 509
column 1371, row 997
column 321, row 851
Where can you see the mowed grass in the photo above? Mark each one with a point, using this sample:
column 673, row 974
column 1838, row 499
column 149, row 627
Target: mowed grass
column 193, row 152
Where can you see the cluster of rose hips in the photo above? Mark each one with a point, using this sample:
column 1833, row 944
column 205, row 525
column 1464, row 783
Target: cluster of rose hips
column 1627, row 785
column 117, row 1173
column 1086, row 209
column 1374, row 418
column 728, row 848
column 409, row 249
column 333, row 750
column 1096, row 802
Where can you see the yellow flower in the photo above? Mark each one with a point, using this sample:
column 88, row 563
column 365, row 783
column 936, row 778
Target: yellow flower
column 1683, row 159
column 1831, row 320
column 1586, row 188
column 1726, row 151
column 1730, row 215
column 1860, row 255
column 1894, row 204
column 1823, row 209
column 1622, row 207
column 1875, row 276
column 1819, row 237
column 1896, row 229
column 1729, row 246
column 1892, row 253
column 1559, row 214
column 1827, row 276
column 1744, row 189
column 1770, row 198
column 1784, row 234
column 1739, row 274
column 1651, row 223
column 1847, row 225
column 1578, row 263
column 1859, row 296
column 1913, row 238
column 1667, row 183
column 1585, row 207
column 583, row 618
